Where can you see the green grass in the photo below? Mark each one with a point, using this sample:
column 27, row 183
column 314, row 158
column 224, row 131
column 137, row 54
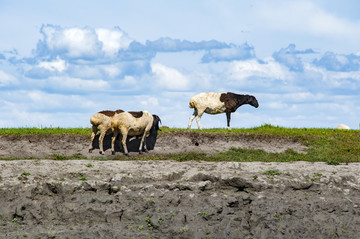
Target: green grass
column 323, row 145
column 44, row 131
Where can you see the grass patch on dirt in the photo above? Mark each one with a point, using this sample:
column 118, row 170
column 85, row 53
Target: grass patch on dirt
column 45, row 131
column 323, row 145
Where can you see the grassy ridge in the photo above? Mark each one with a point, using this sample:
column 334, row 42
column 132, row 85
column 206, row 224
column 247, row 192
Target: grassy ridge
column 324, row 145
column 327, row 145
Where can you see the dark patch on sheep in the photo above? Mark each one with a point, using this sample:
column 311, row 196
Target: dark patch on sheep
column 156, row 122
column 110, row 113
column 233, row 101
column 137, row 114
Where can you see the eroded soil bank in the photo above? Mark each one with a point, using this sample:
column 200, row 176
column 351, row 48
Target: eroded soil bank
column 46, row 146
column 167, row 199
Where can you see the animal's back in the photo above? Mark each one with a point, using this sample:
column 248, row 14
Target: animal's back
column 208, row 101
column 129, row 122
column 103, row 117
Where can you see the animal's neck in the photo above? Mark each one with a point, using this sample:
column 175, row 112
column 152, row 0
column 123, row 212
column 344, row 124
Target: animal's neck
column 241, row 99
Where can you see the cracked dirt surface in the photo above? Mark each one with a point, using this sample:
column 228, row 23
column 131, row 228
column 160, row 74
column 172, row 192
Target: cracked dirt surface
column 43, row 198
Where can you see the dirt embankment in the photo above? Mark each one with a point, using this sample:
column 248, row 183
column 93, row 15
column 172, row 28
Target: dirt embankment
column 45, row 146
column 165, row 199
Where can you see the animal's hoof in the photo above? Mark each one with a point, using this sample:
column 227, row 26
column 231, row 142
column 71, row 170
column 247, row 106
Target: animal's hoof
column 90, row 150
column 113, row 152
column 140, row 152
column 101, row 152
column 146, row 151
column 127, row 155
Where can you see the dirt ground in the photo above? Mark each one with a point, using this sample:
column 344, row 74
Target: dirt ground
column 44, row 198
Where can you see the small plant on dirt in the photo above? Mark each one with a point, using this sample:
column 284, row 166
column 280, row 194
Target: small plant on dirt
column 203, row 214
column 89, row 165
column 140, row 228
column 332, row 162
column 77, row 156
column 160, row 220
column 59, row 157
column 149, row 223
column 255, row 177
column 185, row 229
column 317, row 177
column 172, row 214
column 23, row 175
column 271, row 172
column 83, row 179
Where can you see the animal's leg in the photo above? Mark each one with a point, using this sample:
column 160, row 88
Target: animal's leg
column 101, row 141
column 200, row 113
column 228, row 117
column 123, row 141
column 143, row 139
column 93, row 134
column 113, row 139
column 142, row 143
column 192, row 118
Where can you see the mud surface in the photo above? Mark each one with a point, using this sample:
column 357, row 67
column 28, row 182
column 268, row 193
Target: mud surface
column 41, row 198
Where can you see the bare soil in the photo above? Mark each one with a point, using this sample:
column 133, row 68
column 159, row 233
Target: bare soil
column 44, row 198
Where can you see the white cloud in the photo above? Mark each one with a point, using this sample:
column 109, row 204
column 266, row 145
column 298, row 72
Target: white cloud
column 7, row 79
column 112, row 70
column 169, row 78
column 77, row 84
column 56, row 65
column 112, row 40
column 71, row 42
column 242, row 70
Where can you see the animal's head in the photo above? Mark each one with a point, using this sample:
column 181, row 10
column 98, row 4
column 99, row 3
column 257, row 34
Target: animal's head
column 253, row 101
column 156, row 122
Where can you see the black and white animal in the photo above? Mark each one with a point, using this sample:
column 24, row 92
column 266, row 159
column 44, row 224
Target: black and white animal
column 101, row 121
column 217, row 103
column 133, row 124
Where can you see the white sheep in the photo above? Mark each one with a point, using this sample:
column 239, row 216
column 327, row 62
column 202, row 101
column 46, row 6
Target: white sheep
column 133, row 124
column 216, row 103
column 101, row 121
column 342, row 126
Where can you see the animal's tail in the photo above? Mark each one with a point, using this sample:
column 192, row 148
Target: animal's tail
column 191, row 104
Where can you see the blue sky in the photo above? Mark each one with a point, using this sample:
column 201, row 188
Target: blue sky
column 62, row 61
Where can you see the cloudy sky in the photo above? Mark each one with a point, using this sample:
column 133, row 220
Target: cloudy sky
column 62, row 61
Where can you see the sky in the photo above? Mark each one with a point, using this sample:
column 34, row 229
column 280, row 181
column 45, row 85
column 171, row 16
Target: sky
column 63, row 61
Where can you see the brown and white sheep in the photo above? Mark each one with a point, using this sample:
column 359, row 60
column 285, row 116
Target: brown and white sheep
column 101, row 121
column 216, row 103
column 133, row 124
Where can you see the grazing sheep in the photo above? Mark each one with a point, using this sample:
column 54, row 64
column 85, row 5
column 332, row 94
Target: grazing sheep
column 342, row 126
column 133, row 124
column 216, row 103
column 101, row 121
